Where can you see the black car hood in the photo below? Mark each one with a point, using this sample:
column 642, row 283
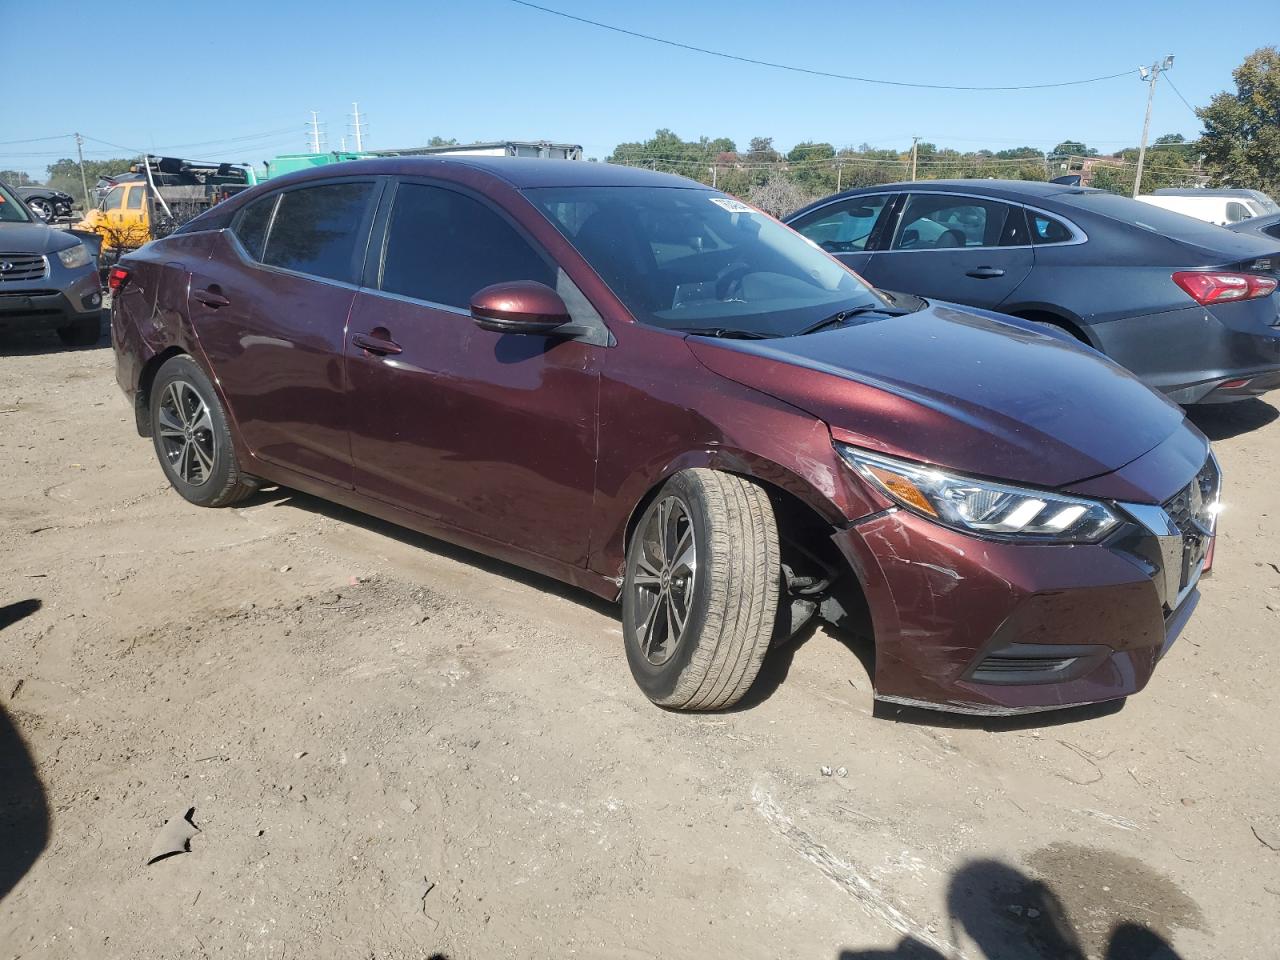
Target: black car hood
column 33, row 238
column 960, row 388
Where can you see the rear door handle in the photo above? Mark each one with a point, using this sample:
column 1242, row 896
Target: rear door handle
column 985, row 273
column 210, row 298
column 374, row 344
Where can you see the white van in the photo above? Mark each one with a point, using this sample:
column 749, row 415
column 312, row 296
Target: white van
column 1215, row 206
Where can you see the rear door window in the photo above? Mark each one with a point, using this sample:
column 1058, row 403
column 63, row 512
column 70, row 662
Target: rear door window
column 843, row 227
column 251, row 225
column 317, row 230
column 947, row 222
column 135, row 198
column 443, row 247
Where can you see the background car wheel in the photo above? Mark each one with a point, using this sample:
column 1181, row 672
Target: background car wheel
column 192, row 436
column 81, row 333
column 700, row 595
column 43, row 207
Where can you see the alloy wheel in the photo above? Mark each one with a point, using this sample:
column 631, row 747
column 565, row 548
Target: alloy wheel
column 186, row 433
column 663, row 581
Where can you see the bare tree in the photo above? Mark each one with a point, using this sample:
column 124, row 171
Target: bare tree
column 778, row 195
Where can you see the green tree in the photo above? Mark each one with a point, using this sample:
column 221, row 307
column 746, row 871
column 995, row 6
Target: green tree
column 666, row 151
column 65, row 174
column 1075, row 148
column 1241, row 139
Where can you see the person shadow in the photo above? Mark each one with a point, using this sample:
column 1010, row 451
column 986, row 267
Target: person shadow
column 979, row 898
column 24, row 808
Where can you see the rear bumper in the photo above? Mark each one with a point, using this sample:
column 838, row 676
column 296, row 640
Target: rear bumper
column 976, row 626
column 1188, row 354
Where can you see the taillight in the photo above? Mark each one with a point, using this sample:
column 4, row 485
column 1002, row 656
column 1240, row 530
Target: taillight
column 1207, row 288
column 117, row 278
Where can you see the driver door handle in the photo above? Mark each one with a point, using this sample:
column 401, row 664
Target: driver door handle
column 374, row 344
column 985, row 273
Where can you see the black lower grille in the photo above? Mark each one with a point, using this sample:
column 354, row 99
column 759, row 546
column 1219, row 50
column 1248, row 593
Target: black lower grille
column 13, row 294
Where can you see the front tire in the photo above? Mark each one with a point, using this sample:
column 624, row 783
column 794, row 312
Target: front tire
column 42, row 207
column 700, row 595
column 192, row 436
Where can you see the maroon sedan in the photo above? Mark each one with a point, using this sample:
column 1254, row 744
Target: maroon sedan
column 648, row 389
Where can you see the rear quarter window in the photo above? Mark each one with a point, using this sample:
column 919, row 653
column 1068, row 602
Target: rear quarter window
column 251, row 225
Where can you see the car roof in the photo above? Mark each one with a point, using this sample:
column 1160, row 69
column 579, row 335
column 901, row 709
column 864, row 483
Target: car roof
column 519, row 172
column 1015, row 190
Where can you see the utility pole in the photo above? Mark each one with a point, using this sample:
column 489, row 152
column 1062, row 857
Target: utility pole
column 1150, row 74
column 315, row 132
column 714, row 171
column 343, row 141
column 914, row 141
column 84, row 181
column 839, row 175
column 357, row 126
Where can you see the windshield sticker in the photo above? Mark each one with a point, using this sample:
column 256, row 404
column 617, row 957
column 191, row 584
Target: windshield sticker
column 733, row 206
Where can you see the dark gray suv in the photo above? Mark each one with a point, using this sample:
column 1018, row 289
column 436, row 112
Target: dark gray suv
column 48, row 277
column 1188, row 306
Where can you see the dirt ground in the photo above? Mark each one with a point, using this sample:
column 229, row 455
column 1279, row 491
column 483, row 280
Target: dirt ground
column 396, row 748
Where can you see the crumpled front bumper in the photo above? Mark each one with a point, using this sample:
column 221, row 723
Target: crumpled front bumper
column 989, row 627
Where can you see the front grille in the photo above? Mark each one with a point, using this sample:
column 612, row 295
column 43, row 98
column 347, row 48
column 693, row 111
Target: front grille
column 1192, row 510
column 22, row 266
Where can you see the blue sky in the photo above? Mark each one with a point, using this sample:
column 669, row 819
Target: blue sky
column 239, row 86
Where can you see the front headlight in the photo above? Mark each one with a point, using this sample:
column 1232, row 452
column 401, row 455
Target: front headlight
column 77, row 256
column 983, row 506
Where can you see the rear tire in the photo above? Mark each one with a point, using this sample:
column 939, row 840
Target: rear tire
column 700, row 595
column 81, row 333
column 192, row 436
column 42, row 207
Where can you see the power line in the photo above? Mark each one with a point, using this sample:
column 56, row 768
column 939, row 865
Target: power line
column 61, row 136
column 815, row 73
column 1180, row 96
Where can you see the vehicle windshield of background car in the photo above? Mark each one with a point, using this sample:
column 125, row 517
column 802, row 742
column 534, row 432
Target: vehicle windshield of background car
column 11, row 211
column 694, row 259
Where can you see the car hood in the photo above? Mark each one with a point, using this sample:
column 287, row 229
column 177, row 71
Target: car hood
column 33, row 238
column 960, row 388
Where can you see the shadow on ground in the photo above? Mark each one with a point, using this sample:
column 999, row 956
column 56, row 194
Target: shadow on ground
column 1222, row 421
column 24, row 810
column 28, row 343
column 1008, row 915
column 282, row 496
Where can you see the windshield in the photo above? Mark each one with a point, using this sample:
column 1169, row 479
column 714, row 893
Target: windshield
column 11, row 209
column 695, row 260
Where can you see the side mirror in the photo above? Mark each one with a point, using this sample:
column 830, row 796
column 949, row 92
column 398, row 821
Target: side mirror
column 521, row 306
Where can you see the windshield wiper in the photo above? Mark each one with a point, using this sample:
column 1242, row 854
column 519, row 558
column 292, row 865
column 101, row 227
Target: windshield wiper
column 844, row 315
column 725, row 333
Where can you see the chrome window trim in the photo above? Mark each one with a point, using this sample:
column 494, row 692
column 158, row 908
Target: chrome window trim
column 415, row 301
column 1078, row 236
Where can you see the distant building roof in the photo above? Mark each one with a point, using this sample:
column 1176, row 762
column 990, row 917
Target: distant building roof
column 510, row 148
